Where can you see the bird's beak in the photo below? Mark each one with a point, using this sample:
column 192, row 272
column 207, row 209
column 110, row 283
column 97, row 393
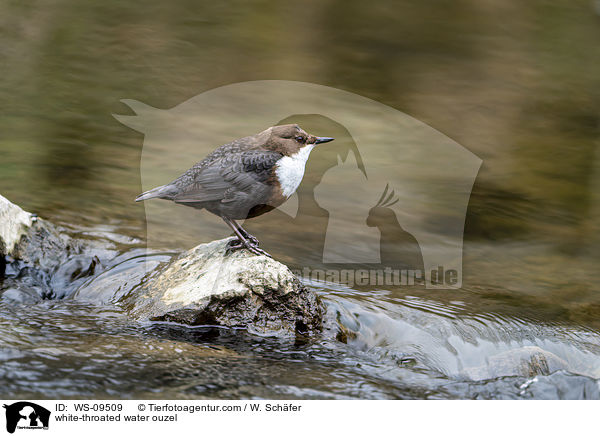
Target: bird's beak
column 323, row 139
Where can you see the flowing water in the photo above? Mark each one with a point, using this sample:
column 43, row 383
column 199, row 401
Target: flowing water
column 516, row 84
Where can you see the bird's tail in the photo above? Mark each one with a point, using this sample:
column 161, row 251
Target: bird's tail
column 159, row 192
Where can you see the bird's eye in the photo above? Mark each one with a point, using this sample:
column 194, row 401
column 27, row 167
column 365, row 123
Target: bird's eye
column 299, row 138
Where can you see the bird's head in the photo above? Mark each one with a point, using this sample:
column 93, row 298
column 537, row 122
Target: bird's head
column 290, row 139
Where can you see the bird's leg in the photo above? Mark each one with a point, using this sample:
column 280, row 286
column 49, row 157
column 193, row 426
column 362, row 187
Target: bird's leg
column 246, row 234
column 243, row 242
column 239, row 232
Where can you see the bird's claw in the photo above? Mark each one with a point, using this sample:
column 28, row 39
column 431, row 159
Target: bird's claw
column 251, row 245
column 258, row 251
column 252, row 239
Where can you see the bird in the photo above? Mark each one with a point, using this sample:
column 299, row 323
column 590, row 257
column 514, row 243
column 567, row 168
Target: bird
column 244, row 179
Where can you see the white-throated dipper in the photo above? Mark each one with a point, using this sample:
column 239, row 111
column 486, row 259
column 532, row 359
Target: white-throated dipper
column 245, row 178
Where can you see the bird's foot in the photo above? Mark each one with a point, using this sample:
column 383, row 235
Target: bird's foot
column 252, row 239
column 258, row 251
column 249, row 244
column 235, row 244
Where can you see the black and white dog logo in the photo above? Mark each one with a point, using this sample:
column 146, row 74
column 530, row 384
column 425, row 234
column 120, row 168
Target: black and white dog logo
column 26, row 415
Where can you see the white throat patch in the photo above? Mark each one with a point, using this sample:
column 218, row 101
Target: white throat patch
column 290, row 170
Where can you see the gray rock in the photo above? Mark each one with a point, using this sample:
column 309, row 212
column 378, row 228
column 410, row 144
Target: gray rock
column 208, row 286
column 33, row 241
column 14, row 223
column 38, row 259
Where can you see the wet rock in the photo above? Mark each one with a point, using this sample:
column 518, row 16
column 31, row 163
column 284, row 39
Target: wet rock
column 39, row 260
column 208, row 286
column 14, row 223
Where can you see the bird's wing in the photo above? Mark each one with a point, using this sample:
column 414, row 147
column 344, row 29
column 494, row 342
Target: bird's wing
column 224, row 175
